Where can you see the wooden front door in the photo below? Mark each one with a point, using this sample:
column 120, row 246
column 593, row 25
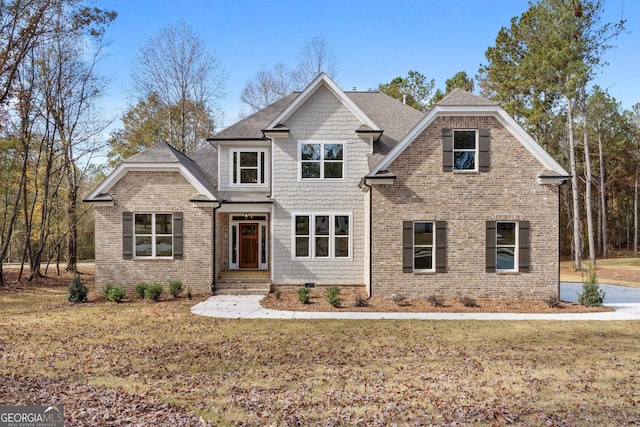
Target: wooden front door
column 248, row 245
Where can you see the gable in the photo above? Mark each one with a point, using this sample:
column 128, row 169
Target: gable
column 322, row 116
column 548, row 163
column 159, row 158
column 322, row 81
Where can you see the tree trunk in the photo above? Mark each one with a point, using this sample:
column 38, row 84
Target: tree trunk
column 603, row 198
column 577, row 236
column 589, row 178
column 635, row 211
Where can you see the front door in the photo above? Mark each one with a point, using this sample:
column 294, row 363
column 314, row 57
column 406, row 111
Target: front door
column 248, row 245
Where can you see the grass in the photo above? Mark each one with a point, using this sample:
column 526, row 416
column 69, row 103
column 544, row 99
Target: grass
column 612, row 271
column 328, row 372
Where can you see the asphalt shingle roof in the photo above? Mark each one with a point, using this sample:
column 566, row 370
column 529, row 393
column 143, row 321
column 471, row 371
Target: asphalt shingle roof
column 459, row 97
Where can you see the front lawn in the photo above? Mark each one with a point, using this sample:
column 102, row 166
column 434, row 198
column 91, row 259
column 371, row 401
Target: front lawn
column 306, row 372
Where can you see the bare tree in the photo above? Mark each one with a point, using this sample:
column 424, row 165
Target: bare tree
column 267, row 87
column 176, row 66
column 315, row 57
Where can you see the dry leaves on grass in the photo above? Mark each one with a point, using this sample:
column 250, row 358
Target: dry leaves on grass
column 88, row 405
column 318, row 302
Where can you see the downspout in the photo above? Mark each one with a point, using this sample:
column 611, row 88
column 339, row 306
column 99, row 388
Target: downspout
column 213, row 250
column 559, row 239
column 364, row 182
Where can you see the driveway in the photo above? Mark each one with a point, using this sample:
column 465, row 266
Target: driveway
column 626, row 302
column 623, row 299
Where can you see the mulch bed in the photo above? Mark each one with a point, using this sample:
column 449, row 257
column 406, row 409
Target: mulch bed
column 289, row 301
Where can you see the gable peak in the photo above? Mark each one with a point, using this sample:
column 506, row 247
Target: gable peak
column 460, row 97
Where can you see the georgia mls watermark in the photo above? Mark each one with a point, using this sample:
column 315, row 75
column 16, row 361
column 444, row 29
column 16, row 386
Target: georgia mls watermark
column 32, row 416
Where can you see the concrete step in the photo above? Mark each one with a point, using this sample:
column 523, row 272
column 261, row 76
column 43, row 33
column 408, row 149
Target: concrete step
column 244, row 288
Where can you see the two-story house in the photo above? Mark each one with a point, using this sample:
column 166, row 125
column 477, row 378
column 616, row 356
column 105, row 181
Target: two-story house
column 341, row 188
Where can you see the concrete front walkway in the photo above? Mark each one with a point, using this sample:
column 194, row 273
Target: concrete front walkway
column 625, row 300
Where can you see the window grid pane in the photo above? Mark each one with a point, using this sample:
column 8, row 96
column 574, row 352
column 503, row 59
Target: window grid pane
column 322, row 161
column 506, row 247
column 153, row 235
column 464, row 149
column 329, row 234
column 423, row 242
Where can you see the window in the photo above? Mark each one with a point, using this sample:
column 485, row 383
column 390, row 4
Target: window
column 506, row 248
column 153, row 235
column 322, row 236
column 248, row 167
column 323, row 160
column 423, row 246
column 464, row 150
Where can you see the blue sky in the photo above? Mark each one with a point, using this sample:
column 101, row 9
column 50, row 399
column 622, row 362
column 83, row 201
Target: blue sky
column 374, row 41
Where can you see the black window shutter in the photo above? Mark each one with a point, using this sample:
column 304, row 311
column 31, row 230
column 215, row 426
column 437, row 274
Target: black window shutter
column 523, row 246
column 491, row 247
column 483, row 150
column 447, row 150
column 178, row 241
column 127, row 235
column 407, row 246
column 441, row 246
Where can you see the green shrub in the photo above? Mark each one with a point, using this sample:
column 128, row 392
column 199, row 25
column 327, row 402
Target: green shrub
column 592, row 295
column 140, row 289
column 333, row 296
column 113, row 293
column 361, row 301
column 175, row 288
column 278, row 294
column 435, row 301
column 468, row 302
column 77, row 291
column 303, row 295
column 153, row 291
column 189, row 294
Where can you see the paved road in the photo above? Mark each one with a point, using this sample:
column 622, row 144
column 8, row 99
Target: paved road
column 626, row 302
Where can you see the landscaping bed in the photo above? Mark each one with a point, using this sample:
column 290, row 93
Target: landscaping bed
column 289, row 301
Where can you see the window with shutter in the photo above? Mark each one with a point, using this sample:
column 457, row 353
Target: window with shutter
column 423, row 246
column 465, row 150
column 152, row 235
column 507, row 246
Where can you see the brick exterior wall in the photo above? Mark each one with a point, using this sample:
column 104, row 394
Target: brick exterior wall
column 154, row 192
column 322, row 117
column 422, row 191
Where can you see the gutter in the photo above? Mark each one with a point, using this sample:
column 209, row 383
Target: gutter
column 370, row 284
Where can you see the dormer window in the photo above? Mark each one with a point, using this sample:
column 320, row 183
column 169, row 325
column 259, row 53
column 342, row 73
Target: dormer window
column 248, row 167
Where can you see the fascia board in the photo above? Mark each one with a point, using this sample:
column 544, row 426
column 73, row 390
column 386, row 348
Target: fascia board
column 123, row 168
column 310, row 90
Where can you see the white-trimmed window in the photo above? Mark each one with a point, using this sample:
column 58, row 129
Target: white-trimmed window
column 248, row 167
column 465, row 150
column 423, row 246
column 506, row 246
column 153, row 235
column 322, row 236
column 321, row 160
